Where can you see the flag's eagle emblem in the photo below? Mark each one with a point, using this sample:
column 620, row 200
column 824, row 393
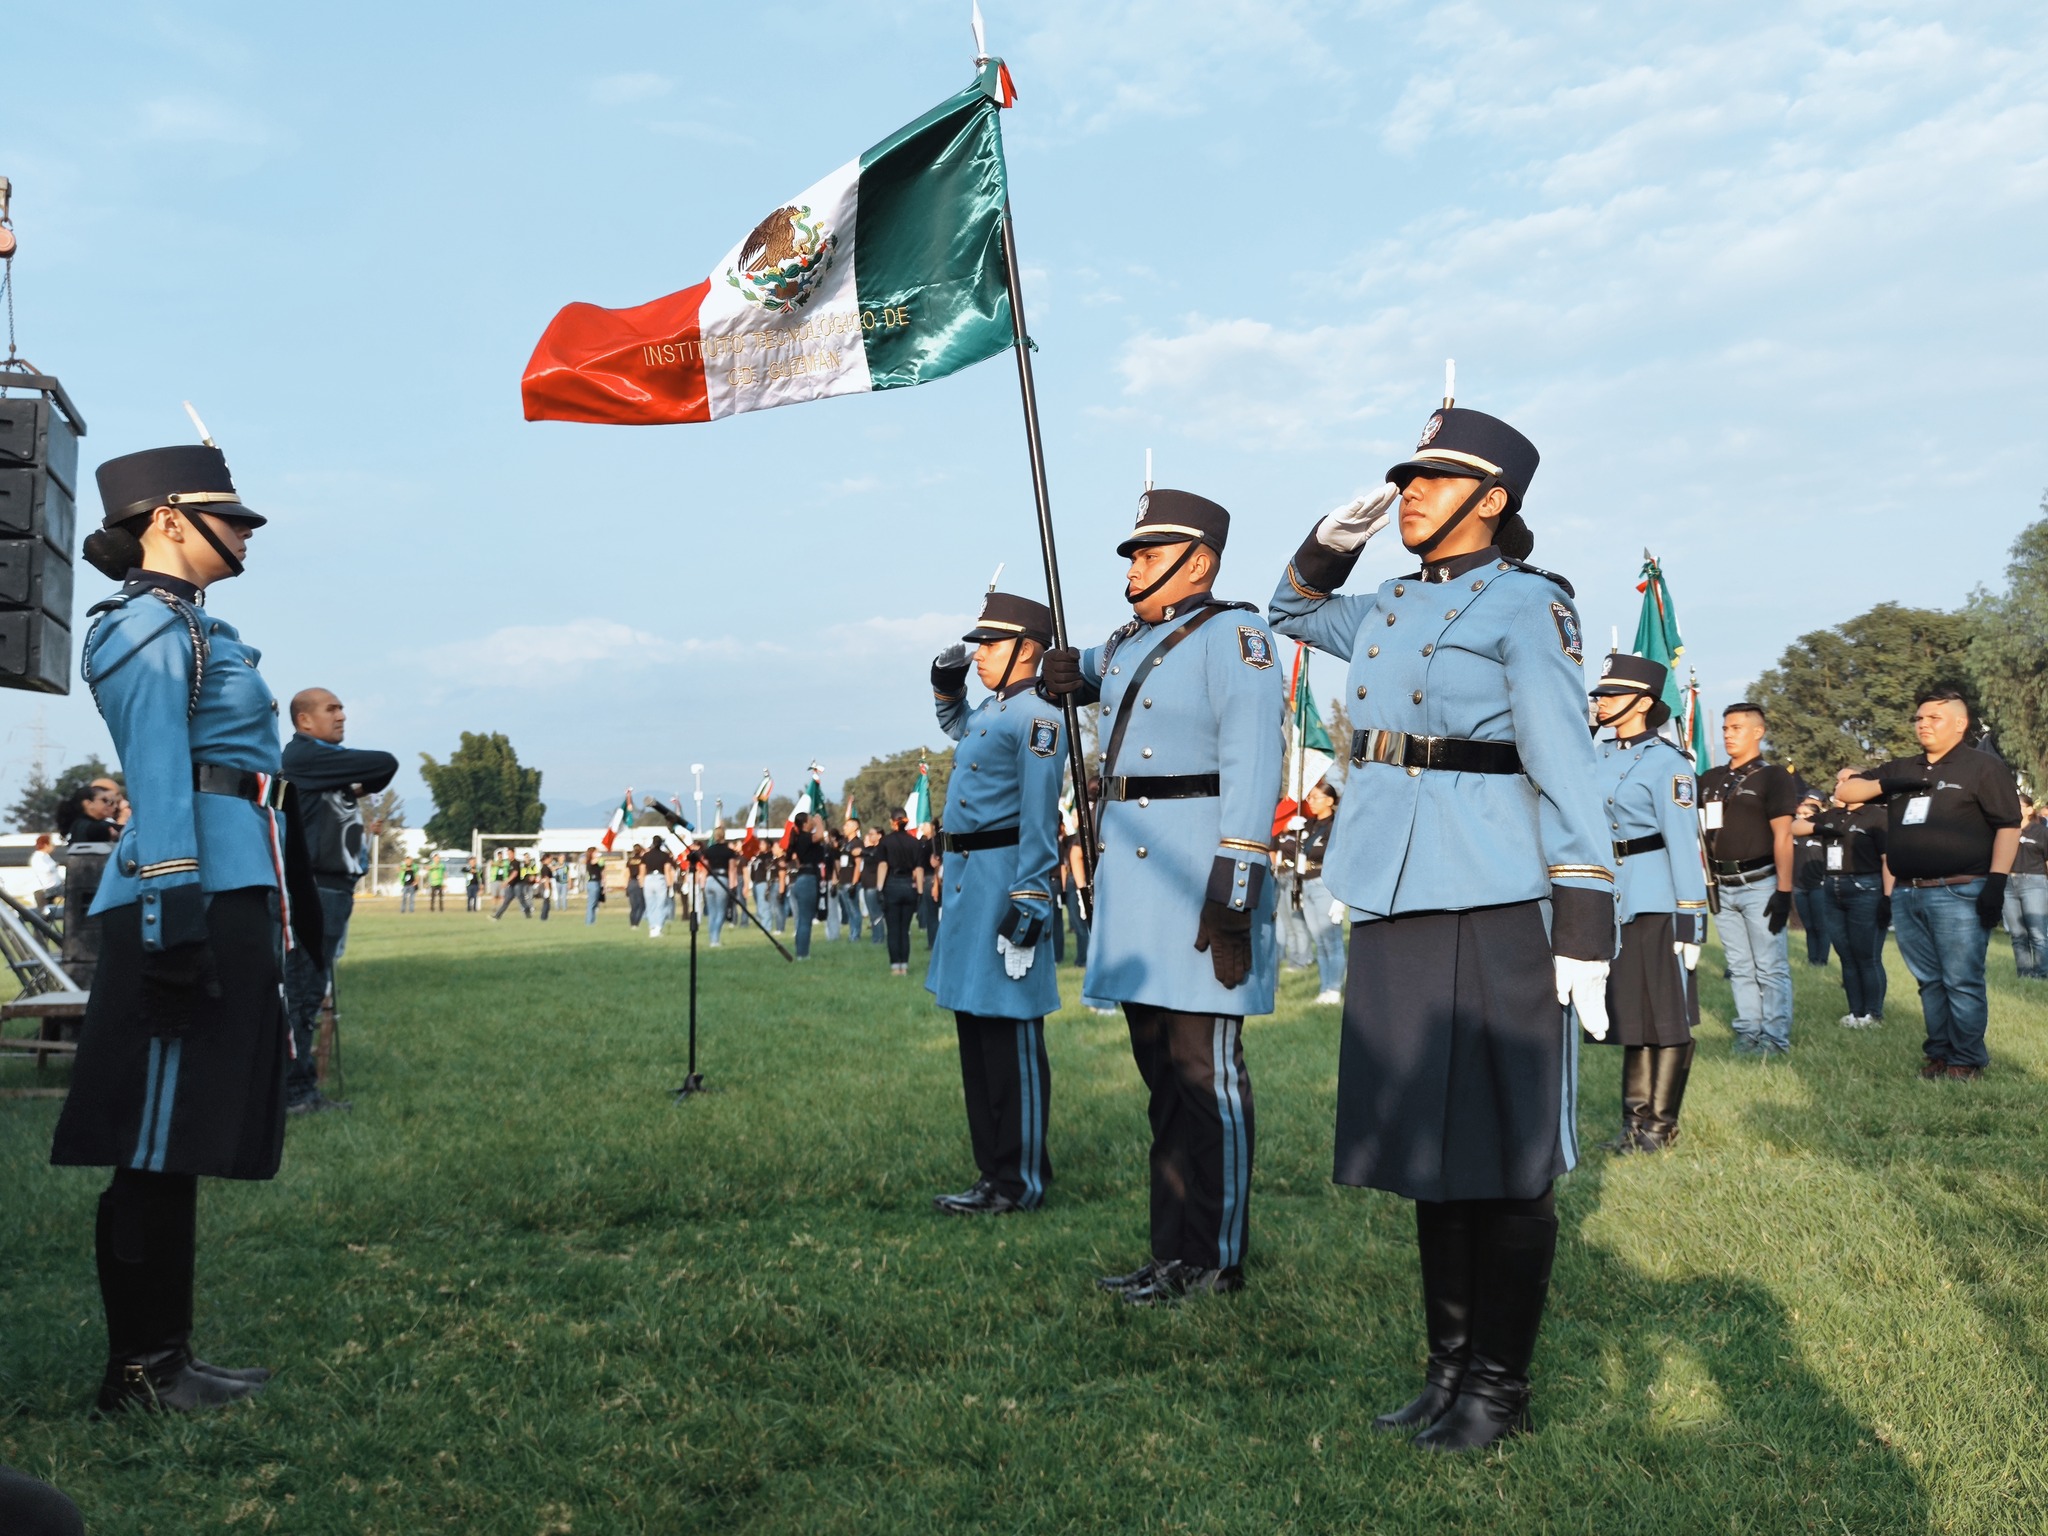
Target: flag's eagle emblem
column 782, row 262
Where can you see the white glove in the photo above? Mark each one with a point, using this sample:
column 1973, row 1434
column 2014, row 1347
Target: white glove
column 1689, row 953
column 1017, row 958
column 1339, row 914
column 1296, row 823
column 1347, row 528
column 1582, row 984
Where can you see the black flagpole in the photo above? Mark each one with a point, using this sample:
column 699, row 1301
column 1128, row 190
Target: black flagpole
column 1084, row 813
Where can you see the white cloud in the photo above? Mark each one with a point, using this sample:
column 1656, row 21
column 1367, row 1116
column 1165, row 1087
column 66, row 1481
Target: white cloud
column 926, row 634
column 624, row 89
column 550, row 655
column 188, row 119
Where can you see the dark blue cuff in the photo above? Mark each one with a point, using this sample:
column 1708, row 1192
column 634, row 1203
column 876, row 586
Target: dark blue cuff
column 1021, row 928
column 173, row 917
column 1690, row 927
column 1236, row 883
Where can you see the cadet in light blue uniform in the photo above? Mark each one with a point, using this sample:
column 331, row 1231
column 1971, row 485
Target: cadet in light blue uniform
column 1653, row 998
column 1470, row 808
column 1002, row 837
column 1191, row 712
column 180, row 1068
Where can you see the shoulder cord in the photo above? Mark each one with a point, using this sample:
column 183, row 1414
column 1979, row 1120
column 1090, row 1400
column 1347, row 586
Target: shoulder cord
column 200, row 648
column 1137, row 683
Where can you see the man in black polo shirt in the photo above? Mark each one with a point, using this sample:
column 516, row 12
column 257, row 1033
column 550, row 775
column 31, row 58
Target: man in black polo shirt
column 1746, row 808
column 1952, row 830
column 1809, row 893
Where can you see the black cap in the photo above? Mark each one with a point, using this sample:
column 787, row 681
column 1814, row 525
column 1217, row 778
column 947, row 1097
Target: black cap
column 1621, row 672
column 1174, row 517
column 1474, row 445
column 1005, row 616
column 190, row 476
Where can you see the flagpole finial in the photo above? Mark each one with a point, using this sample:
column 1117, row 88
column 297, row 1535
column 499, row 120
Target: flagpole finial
column 1450, row 381
column 980, row 36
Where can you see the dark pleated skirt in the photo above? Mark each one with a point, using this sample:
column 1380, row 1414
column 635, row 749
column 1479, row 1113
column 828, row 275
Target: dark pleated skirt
column 1652, row 999
column 1456, row 1072
column 210, row 1102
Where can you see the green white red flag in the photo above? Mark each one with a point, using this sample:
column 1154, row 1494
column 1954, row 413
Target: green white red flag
column 918, row 807
column 1657, row 638
column 622, row 818
column 886, row 273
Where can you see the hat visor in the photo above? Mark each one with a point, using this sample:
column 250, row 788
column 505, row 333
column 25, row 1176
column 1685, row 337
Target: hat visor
column 981, row 635
column 1409, row 469
column 1612, row 686
column 234, row 511
column 1147, row 539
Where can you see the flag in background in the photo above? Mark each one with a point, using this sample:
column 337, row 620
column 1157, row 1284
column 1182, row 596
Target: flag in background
column 622, row 818
column 918, row 807
column 1657, row 639
column 1309, row 753
column 888, row 272
column 813, row 797
column 750, row 843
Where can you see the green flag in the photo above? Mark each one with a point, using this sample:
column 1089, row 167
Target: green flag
column 1657, row 638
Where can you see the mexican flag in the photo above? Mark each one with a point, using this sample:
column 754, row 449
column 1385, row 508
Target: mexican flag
column 1657, row 638
column 750, row 842
column 886, row 273
column 813, row 797
column 622, row 818
column 918, row 807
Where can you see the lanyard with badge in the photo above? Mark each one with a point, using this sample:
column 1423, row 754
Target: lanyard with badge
column 1712, row 811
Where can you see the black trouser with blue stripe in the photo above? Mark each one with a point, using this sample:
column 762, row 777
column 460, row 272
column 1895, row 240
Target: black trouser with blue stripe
column 1201, row 1113
column 1009, row 1086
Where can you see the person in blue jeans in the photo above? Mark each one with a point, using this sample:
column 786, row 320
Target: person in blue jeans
column 1809, row 890
column 1746, row 809
column 593, row 884
column 1852, row 842
column 807, row 858
column 1952, row 831
column 2026, row 898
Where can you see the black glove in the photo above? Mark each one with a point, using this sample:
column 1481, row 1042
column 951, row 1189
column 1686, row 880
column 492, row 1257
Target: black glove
column 177, row 983
column 949, row 670
column 1226, row 934
column 1884, row 913
column 1778, row 911
column 1060, row 672
column 1991, row 902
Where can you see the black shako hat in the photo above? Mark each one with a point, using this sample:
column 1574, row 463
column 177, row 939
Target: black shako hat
column 191, row 477
column 1174, row 517
column 1005, row 616
column 1621, row 672
column 1474, row 445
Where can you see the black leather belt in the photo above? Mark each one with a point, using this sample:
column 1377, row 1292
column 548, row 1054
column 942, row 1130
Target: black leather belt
column 974, row 842
column 1448, row 753
column 1738, row 872
column 1635, row 845
column 1162, row 786
column 238, row 784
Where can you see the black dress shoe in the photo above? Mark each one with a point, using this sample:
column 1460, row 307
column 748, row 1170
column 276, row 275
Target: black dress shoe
column 982, row 1200
column 318, row 1104
column 1173, row 1281
column 167, row 1382
column 1130, row 1282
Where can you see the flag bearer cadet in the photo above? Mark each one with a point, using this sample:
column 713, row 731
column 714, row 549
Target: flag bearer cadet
column 1653, row 997
column 1192, row 706
column 1472, row 843
column 1001, row 839
column 180, row 1068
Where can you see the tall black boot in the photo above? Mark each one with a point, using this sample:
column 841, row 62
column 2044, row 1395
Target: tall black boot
column 1670, row 1067
column 1513, row 1256
column 1443, row 1234
column 1635, row 1099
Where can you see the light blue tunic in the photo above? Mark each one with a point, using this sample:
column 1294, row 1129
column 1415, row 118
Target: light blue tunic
column 139, row 659
column 1006, row 773
column 1647, row 785
column 1434, row 658
column 1215, row 704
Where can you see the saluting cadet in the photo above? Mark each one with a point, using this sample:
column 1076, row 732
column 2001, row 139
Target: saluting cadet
column 180, row 1068
column 1472, row 799
column 1002, row 836
column 1653, row 996
column 1183, row 938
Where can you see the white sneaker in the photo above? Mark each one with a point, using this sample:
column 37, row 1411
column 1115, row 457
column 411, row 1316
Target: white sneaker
column 1330, row 995
column 1851, row 1021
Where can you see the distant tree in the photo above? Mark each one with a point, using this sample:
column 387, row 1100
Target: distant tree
column 1844, row 696
column 2009, row 654
column 1338, row 723
column 885, row 783
column 481, row 788
column 36, row 810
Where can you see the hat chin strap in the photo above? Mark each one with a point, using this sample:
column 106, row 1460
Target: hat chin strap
column 1427, row 549
column 234, row 566
column 1173, row 570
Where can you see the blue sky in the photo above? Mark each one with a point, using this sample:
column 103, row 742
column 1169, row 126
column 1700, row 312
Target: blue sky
column 1763, row 282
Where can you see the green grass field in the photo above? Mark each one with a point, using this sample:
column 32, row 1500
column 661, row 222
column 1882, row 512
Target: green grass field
column 517, row 1290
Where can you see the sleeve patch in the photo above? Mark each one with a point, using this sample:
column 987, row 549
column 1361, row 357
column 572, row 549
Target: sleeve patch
column 1569, row 635
column 1682, row 790
column 1254, row 646
column 1045, row 737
